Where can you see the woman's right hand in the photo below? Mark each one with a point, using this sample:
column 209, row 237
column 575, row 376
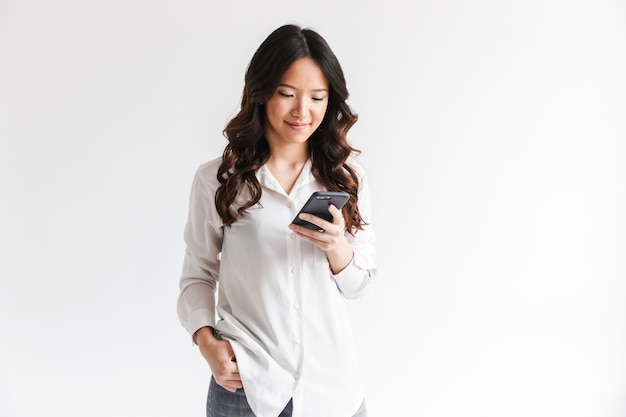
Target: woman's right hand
column 221, row 358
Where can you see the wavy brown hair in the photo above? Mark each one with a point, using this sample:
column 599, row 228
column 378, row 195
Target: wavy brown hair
column 247, row 149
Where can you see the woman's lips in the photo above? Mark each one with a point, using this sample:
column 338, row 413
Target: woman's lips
column 297, row 126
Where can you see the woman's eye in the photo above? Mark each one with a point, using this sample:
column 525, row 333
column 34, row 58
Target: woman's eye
column 280, row 93
column 318, row 98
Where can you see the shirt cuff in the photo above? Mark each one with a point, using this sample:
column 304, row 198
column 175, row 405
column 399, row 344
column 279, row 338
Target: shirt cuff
column 354, row 280
column 199, row 318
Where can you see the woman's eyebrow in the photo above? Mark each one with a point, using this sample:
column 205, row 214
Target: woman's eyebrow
column 294, row 88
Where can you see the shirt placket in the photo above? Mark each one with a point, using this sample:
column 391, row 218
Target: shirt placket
column 294, row 256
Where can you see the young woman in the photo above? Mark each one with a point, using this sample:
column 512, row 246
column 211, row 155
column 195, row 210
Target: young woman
column 263, row 298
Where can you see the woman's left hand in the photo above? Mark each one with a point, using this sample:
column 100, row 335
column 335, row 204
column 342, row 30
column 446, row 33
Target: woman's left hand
column 331, row 239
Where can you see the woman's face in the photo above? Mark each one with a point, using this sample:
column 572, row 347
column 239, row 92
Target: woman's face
column 298, row 105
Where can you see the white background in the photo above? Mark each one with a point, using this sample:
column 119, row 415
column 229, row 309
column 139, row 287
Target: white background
column 494, row 134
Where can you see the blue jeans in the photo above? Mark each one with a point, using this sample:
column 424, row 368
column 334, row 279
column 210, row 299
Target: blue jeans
column 223, row 403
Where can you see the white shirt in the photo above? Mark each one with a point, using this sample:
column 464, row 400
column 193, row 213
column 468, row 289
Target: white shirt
column 278, row 303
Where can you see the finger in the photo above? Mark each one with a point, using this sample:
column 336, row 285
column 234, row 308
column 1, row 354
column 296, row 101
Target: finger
column 233, row 379
column 317, row 221
column 336, row 213
column 230, row 381
column 338, row 220
column 231, row 368
column 229, row 386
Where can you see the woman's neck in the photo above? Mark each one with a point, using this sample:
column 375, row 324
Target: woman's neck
column 286, row 164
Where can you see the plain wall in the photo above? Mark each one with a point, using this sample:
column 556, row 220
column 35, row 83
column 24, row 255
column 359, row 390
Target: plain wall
column 494, row 135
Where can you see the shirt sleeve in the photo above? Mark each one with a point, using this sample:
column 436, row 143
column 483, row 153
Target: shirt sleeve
column 200, row 272
column 354, row 280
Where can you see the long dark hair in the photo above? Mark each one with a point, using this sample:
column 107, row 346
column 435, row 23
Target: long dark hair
column 247, row 149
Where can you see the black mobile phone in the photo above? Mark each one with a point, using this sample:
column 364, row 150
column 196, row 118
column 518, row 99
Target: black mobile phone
column 317, row 205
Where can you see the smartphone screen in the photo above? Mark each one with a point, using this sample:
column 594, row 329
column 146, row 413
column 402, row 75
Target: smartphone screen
column 317, row 205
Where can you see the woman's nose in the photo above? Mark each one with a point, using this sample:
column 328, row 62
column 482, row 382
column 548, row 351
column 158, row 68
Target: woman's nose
column 300, row 107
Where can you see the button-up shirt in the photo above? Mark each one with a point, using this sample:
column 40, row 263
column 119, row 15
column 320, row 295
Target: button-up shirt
column 274, row 297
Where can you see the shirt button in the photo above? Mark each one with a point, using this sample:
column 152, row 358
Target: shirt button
column 290, row 204
column 294, row 270
column 296, row 306
column 296, row 375
column 296, row 341
column 293, row 236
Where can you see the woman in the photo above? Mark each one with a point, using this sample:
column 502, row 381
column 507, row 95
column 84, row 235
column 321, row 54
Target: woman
column 275, row 331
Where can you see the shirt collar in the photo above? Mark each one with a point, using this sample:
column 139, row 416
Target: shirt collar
column 267, row 180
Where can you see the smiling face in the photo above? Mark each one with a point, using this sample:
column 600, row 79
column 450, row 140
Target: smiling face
column 297, row 107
